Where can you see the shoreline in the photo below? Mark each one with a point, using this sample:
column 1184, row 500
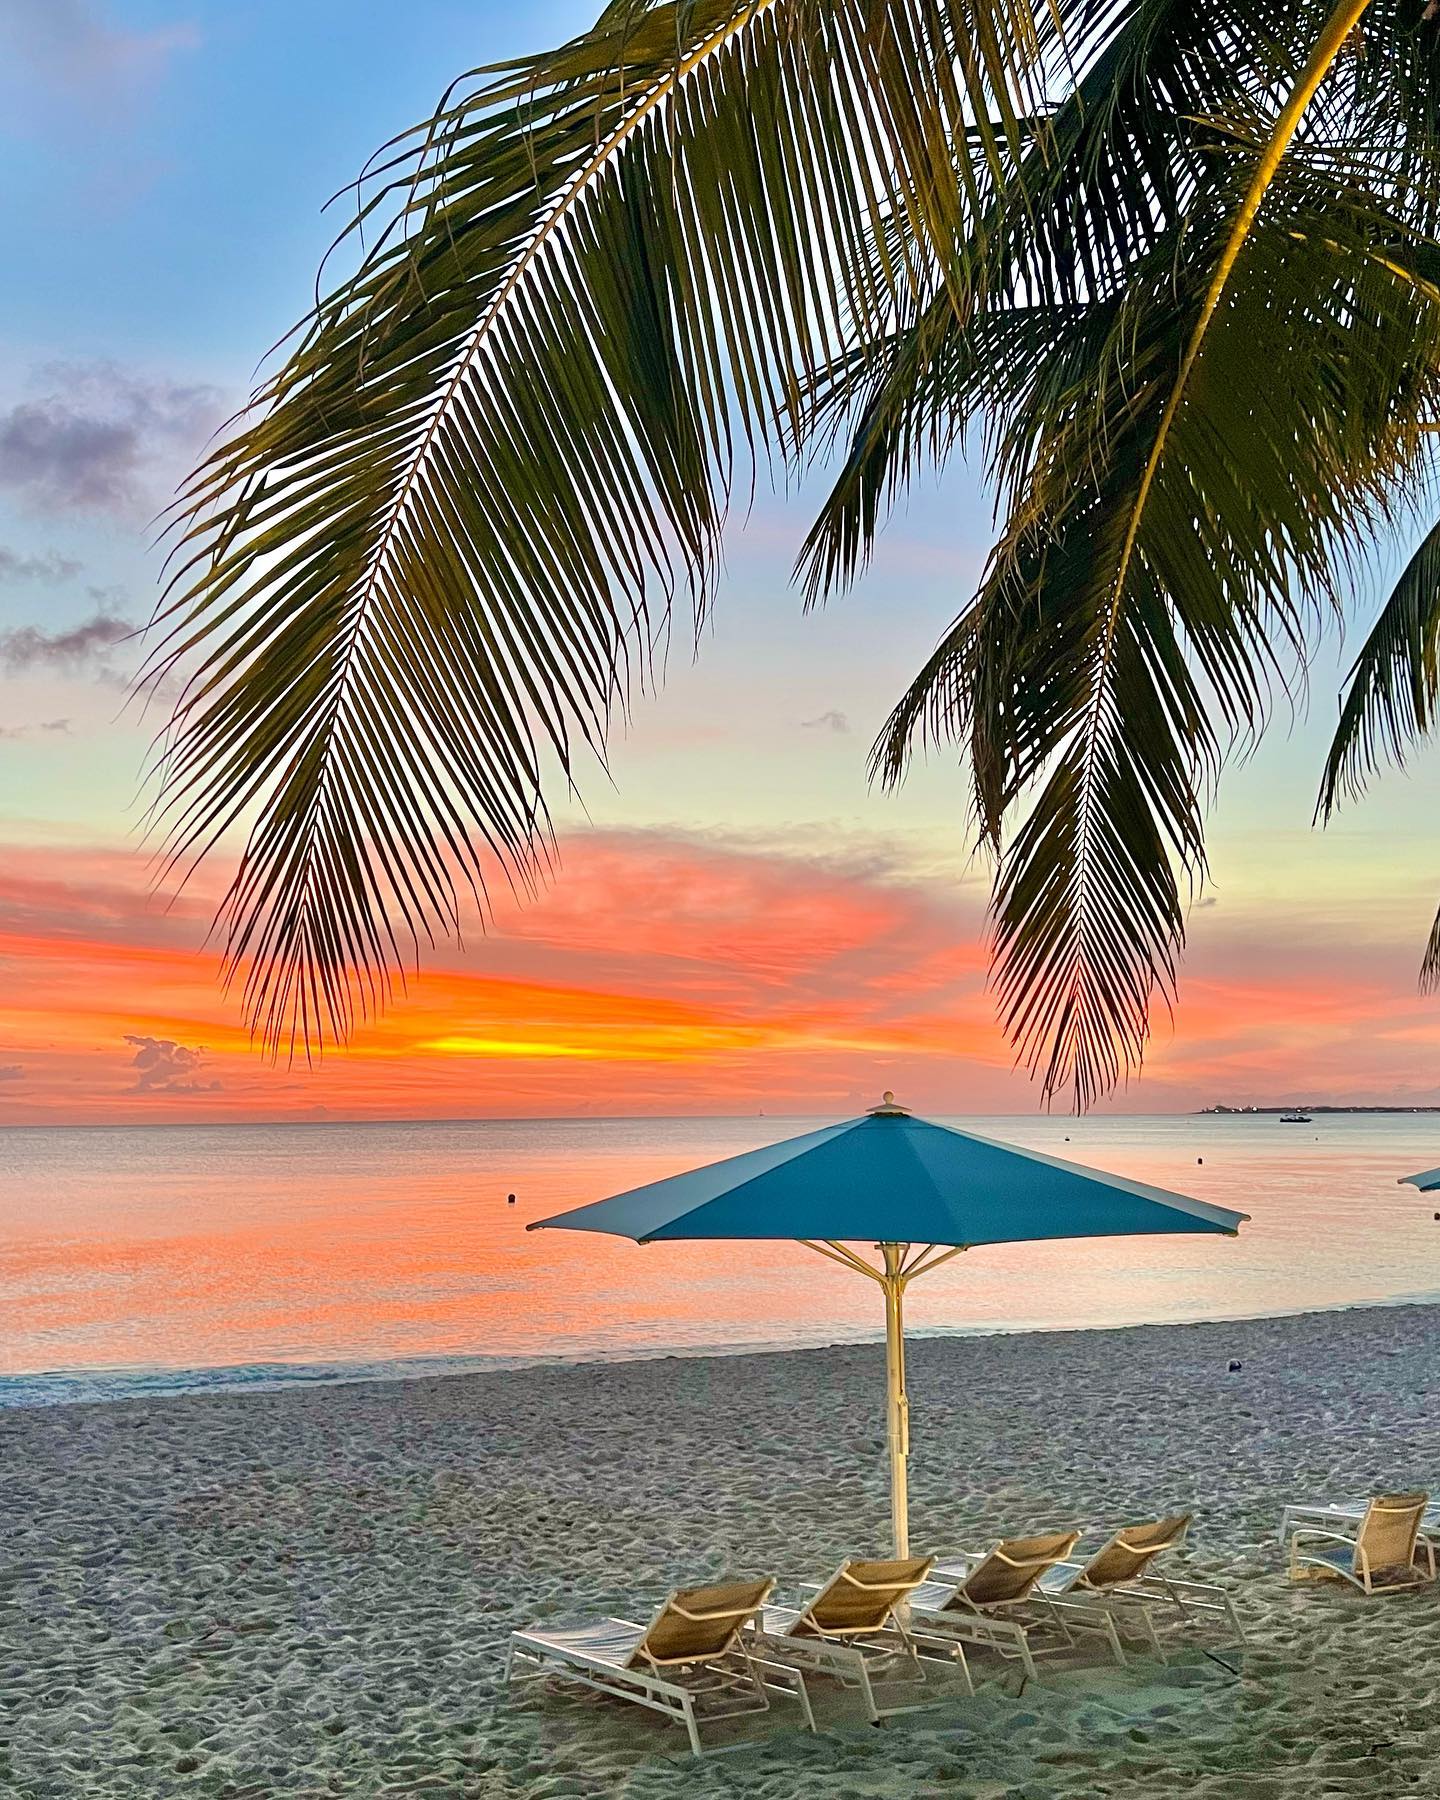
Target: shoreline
column 119, row 1384
column 307, row 1591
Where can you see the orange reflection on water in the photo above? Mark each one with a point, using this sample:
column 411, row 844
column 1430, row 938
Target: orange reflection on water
column 234, row 1245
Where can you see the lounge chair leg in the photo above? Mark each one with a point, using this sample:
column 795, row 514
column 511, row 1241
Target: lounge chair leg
column 869, row 1692
column 1057, row 1615
column 1112, row 1631
column 688, row 1706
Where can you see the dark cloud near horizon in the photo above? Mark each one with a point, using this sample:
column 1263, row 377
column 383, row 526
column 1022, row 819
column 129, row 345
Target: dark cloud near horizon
column 50, row 566
column 81, row 648
column 162, row 1066
column 98, row 438
column 828, row 721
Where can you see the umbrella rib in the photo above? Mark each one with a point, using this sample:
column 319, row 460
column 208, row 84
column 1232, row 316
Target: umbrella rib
column 838, row 1253
column 914, row 1256
column 921, row 1267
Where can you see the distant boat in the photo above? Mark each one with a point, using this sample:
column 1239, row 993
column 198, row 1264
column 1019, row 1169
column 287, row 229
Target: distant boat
column 1294, row 1118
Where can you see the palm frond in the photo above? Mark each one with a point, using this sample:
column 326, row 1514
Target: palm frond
column 450, row 536
column 1099, row 180
column 1099, row 691
column 1140, row 610
column 1430, row 966
column 1393, row 685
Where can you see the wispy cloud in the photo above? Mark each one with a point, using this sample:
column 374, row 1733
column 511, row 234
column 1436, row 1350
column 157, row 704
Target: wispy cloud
column 42, row 728
column 82, row 648
column 50, row 566
column 12, row 1071
column 75, row 46
column 93, row 437
column 836, row 722
column 164, row 1067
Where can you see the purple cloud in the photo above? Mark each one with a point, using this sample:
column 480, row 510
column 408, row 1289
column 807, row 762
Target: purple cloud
column 72, row 45
column 828, row 721
column 50, row 567
column 86, row 646
column 53, row 727
column 92, row 440
column 164, row 1067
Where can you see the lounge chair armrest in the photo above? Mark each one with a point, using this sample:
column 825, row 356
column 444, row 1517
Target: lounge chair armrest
column 957, row 1559
column 884, row 1587
column 1319, row 1534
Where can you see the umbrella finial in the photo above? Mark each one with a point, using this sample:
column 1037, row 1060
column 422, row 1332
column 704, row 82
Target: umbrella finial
column 889, row 1107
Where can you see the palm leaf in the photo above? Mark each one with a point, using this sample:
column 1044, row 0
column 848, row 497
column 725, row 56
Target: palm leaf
column 1391, row 692
column 1140, row 609
column 448, row 541
column 1389, row 703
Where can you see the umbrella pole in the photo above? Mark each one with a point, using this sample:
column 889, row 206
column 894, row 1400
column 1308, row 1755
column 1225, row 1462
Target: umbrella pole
column 897, row 1412
column 894, row 1277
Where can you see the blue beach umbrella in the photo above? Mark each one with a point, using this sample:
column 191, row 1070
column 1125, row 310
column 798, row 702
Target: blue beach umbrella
column 1427, row 1180
column 919, row 1193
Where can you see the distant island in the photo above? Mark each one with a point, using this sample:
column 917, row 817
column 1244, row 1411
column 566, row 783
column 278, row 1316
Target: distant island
column 1237, row 1111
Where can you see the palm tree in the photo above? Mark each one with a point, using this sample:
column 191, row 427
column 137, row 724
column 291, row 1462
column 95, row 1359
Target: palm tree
column 1172, row 264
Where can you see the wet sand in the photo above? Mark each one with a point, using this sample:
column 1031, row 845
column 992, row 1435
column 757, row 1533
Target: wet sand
column 307, row 1592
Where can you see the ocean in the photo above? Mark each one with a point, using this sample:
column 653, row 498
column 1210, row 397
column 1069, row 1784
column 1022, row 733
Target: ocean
column 156, row 1259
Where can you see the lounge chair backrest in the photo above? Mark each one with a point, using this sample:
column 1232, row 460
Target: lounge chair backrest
column 860, row 1597
column 1389, row 1529
column 699, row 1623
column 1131, row 1551
column 1013, row 1567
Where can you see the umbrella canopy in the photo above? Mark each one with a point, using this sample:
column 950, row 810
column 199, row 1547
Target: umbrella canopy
column 1427, row 1180
column 919, row 1192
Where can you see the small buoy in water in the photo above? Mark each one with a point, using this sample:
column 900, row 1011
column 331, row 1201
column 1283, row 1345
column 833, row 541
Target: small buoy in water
column 1200, row 1160
column 1067, row 1140
column 1437, row 1215
column 509, row 1199
column 1234, row 1367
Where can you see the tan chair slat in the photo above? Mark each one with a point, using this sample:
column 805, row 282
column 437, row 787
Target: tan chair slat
column 700, row 1623
column 1388, row 1532
column 1013, row 1567
column 1133, row 1548
column 861, row 1596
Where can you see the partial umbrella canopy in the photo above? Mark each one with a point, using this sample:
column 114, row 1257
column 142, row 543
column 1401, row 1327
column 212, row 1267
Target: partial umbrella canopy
column 1427, row 1180
column 918, row 1192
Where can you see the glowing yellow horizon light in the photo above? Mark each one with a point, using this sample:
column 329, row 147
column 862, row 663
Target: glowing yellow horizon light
column 676, row 1043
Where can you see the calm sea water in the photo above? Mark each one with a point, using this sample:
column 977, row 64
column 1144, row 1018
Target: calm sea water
column 163, row 1258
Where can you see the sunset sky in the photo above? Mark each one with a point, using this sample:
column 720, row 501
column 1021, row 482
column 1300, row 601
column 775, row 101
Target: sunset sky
column 739, row 922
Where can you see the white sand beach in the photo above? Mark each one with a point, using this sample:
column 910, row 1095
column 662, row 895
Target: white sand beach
column 307, row 1592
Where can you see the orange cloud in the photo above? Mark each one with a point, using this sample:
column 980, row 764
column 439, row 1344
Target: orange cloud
column 659, row 974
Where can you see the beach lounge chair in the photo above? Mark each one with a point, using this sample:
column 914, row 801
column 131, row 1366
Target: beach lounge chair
column 853, row 1630
column 1121, row 1578
column 990, row 1598
column 692, row 1662
column 1385, row 1550
column 1346, row 1514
